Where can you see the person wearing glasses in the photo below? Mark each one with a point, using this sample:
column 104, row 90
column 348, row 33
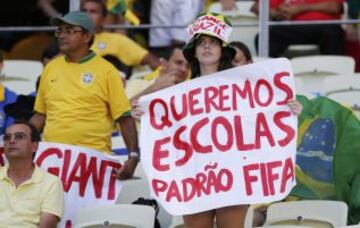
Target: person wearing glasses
column 81, row 95
column 30, row 197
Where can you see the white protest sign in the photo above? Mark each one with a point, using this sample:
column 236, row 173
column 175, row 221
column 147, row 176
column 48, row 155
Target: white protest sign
column 209, row 25
column 86, row 176
column 222, row 139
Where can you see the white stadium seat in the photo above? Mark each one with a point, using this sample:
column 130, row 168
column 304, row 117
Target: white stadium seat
column 120, row 216
column 313, row 213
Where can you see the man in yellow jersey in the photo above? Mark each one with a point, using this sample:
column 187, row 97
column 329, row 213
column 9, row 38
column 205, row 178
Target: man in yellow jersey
column 81, row 95
column 171, row 72
column 29, row 196
column 116, row 45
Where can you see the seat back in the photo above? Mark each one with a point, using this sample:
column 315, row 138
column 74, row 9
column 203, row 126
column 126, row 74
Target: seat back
column 178, row 222
column 345, row 90
column 323, row 65
column 31, row 47
column 314, row 213
column 313, row 71
column 21, row 75
column 27, row 69
column 20, row 86
column 313, row 85
column 120, row 216
column 297, row 50
column 133, row 189
column 348, row 97
column 344, row 82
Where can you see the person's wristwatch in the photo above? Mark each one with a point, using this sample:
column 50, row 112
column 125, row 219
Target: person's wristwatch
column 134, row 155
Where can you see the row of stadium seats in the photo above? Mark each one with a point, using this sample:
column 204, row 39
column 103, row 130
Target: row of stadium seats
column 331, row 76
column 314, row 213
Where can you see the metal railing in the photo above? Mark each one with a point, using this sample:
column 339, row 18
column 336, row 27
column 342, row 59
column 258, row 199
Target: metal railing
column 263, row 24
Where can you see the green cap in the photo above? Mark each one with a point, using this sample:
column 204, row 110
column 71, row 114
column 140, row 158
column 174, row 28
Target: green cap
column 76, row 18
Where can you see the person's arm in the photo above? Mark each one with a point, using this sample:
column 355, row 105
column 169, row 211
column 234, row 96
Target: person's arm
column 113, row 19
column 48, row 8
column 228, row 4
column 274, row 14
column 296, row 107
column 48, row 220
column 128, row 131
column 52, row 204
column 38, row 120
column 330, row 7
column 151, row 60
column 163, row 81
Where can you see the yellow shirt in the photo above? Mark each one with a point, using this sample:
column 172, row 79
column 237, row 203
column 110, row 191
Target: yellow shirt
column 81, row 101
column 135, row 86
column 22, row 206
column 2, row 92
column 120, row 46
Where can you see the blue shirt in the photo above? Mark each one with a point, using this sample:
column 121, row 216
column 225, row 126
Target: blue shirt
column 5, row 121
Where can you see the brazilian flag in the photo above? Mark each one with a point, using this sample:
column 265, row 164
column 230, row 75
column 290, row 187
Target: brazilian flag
column 120, row 7
column 328, row 154
column 116, row 6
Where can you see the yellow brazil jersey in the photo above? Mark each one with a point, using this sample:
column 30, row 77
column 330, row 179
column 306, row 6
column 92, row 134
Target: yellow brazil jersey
column 81, row 100
column 120, row 46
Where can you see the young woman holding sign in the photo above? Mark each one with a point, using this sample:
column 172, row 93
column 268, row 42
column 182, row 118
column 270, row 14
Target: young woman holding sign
column 208, row 52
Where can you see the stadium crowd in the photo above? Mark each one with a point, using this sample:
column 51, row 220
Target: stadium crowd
column 93, row 78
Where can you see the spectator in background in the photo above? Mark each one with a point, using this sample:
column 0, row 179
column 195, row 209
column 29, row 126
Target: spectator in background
column 127, row 52
column 49, row 53
column 81, row 95
column 6, row 97
column 243, row 54
column 329, row 37
column 171, row 72
column 53, row 8
column 175, row 13
column 170, row 13
column 30, row 197
column 226, row 5
column 352, row 45
column 208, row 53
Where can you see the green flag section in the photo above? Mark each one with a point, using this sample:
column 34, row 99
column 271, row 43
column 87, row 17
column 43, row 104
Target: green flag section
column 328, row 154
column 120, row 7
column 116, row 6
